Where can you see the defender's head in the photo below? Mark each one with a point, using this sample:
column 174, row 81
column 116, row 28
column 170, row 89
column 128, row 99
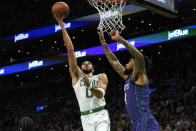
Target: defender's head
column 87, row 67
column 130, row 67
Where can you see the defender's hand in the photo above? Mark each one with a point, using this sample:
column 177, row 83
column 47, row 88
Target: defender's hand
column 115, row 35
column 101, row 36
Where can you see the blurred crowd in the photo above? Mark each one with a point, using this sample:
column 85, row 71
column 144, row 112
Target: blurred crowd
column 173, row 75
column 34, row 14
column 174, row 78
column 173, row 102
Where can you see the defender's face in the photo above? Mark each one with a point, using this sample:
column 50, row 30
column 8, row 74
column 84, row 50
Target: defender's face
column 87, row 67
column 129, row 67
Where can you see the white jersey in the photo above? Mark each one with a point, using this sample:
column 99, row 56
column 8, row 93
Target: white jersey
column 87, row 101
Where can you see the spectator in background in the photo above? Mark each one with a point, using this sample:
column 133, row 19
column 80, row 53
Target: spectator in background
column 26, row 124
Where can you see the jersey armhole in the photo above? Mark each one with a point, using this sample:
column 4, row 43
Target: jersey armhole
column 76, row 81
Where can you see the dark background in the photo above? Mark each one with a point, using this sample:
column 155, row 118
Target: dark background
column 173, row 72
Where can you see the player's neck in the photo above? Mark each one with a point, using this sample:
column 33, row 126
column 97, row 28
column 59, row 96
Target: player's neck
column 90, row 74
column 133, row 73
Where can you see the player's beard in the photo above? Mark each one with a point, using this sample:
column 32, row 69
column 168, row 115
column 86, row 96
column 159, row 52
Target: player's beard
column 128, row 71
column 88, row 71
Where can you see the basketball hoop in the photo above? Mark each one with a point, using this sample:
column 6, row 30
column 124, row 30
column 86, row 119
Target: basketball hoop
column 110, row 12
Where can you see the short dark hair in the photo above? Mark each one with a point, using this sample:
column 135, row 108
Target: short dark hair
column 26, row 124
column 148, row 62
column 89, row 62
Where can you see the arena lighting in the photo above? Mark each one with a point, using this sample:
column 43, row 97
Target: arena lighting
column 98, row 50
column 73, row 37
column 48, row 30
column 70, row 24
column 109, row 14
column 177, row 33
column 2, row 71
column 34, row 64
column 75, row 23
column 164, row 7
column 167, row 4
column 39, row 108
column 36, row 76
column 152, row 90
column 21, row 37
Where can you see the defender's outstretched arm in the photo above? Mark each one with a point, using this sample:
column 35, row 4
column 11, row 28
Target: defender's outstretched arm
column 117, row 66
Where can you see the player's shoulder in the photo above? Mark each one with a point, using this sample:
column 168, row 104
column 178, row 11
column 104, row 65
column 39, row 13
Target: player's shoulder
column 102, row 76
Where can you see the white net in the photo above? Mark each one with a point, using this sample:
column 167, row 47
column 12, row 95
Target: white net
column 110, row 12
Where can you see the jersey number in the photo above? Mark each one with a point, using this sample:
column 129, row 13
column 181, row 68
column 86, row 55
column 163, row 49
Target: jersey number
column 87, row 93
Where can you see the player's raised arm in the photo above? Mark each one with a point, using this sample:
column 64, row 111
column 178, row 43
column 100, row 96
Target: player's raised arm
column 139, row 59
column 73, row 67
column 111, row 57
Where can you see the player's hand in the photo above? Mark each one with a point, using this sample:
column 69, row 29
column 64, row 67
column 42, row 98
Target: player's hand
column 115, row 35
column 101, row 35
column 85, row 79
column 59, row 19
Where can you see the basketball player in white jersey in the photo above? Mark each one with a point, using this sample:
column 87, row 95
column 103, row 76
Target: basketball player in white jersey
column 89, row 89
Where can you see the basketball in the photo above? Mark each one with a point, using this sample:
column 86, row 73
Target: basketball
column 60, row 8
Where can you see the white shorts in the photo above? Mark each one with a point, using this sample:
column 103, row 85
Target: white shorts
column 98, row 121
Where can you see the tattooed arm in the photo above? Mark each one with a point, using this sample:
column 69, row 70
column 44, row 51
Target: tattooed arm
column 117, row 66
column 139, row 59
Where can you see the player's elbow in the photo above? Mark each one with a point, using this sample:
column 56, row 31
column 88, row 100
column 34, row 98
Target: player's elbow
column 99, row 96
column 140, row 55
column 101, row 93
column 70, row 51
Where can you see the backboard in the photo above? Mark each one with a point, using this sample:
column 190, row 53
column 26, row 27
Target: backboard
column 167, row 8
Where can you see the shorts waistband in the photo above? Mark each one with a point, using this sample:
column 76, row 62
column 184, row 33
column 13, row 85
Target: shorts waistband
column 92, row 111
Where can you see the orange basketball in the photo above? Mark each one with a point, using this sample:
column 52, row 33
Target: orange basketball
column 60, row 8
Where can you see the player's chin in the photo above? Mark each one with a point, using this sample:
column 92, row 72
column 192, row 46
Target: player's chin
column 86, row 71
column 127, row 71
